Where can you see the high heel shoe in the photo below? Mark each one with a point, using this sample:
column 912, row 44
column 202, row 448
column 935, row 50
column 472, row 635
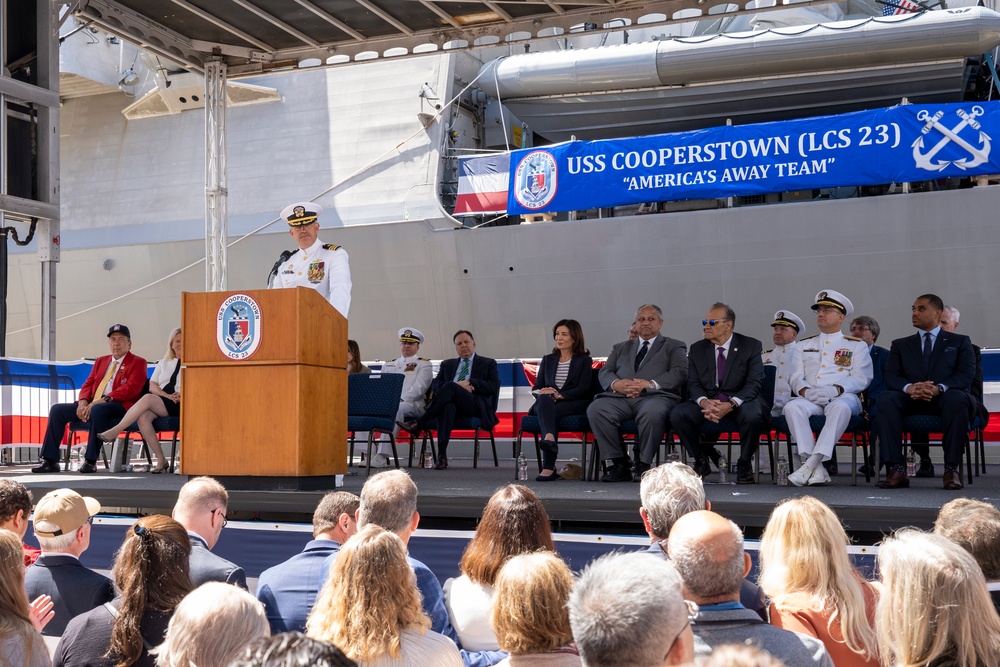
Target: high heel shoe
column 108, row 437
column 548, row 478
column 159, row 469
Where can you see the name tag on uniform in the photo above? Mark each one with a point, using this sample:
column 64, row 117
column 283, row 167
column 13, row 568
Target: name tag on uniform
column 843, row 357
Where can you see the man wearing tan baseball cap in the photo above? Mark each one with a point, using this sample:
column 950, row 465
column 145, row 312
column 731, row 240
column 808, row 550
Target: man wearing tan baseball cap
column 62, row 525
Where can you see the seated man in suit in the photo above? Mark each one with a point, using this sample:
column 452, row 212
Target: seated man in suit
column 288, row 590
column 786, row 357
column 115, row 383
column 835, row 370
column 464, row 387
column 931, row 373
column 643, row 379
column 62, row 526
column 724, row 376
column 201, row 509
column 867, row 329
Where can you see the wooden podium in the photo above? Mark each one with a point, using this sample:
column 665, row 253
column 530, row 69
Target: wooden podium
column 273, row 417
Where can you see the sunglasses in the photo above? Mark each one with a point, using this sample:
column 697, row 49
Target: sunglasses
column 712, row 323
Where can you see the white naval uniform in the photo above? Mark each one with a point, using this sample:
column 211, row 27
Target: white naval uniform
column 324, row 268
column 787, row 361
column 827, row 360
column 419, row 375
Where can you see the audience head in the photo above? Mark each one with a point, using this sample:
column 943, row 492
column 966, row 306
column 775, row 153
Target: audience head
column 648, row 321
column 529, row 613
column 718, row 324
column 949, row 318
column 353, row 357
column 15, row 615
column 926, row 312
column 211, row 627
column 465, row 344
column 293, row 649
column 831, row 309
column 866, row 328
column 632, row 332
column 15, row 506
column 737, row 655
column 974, row 526
column 62, row 521
column 707, row 550
column 336, row 516
column 389, row 500
column 804, row 550
column 151, row 571
column 616, row 601
column 513, row 522
column 174, row 345
column 369, row 597
column 934, row 608
column 201, row 508
column 786, row 327
column 668, row 492
column 568, row 335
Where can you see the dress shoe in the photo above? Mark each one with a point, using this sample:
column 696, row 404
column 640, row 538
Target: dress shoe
column 831, row 468
column 619, row 472
column 86, row 468
column 46, row 466
column 638, row 471
column 819, row 476
column 953, row 480
column 801, row 476
column 548, row 478
column 715, row 455
column 744, row 472
column 442, row 463
column 895, row 480
column 410, row 427
column 926, row 470
column 702, row 467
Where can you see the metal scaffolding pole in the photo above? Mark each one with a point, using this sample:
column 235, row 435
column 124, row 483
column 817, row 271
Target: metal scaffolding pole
column 216, row 193
column 48, row 171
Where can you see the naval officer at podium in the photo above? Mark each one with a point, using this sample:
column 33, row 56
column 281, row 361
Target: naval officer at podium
column 321, row 266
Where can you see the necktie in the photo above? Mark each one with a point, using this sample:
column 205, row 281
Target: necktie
column 107, row 377
column 927, row 348
column 641, row 355
column 463, row 372
column 721, row 372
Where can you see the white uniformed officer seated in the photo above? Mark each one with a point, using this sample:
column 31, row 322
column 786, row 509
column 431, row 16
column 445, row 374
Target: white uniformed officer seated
column 785, row 357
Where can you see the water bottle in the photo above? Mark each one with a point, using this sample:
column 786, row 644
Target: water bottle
column 723, row 470
column 428, row 459
column 522, row 467
column 782, row 470
column 911, row 464
column 673, row 456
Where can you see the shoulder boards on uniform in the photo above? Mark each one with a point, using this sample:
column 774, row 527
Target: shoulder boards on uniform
column 853, row 338
column 330, row 246
column 423, row 359
column 293, row 252
column 807, row 337
column 768, row 351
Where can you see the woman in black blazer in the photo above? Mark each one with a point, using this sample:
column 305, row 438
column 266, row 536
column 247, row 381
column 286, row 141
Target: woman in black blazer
column 562, row 387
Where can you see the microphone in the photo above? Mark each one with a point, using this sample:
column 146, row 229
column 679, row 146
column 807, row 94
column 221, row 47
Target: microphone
column 274, row 269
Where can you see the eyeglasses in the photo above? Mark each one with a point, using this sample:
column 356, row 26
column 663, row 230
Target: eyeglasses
column 90, row 520
column 692, row 616
column 712, row 323
column 859, row 328
column 224, row 521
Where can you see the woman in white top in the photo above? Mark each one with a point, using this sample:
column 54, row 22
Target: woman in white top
column 514, row 522
column 370, row 608
column 21, row 643
column 163, row 400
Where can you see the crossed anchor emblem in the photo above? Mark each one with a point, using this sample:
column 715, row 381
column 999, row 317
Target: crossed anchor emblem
column 978, row 155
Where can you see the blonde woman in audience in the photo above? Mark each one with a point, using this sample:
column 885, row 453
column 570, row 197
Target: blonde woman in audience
column 152, row 576
column 513, row 522
column 21, row 623
column 813, row 587
column 370, row 607
column 211, row 627
column 529, row 613
column 935, row 610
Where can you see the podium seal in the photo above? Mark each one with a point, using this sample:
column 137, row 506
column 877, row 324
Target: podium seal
column 237, row 329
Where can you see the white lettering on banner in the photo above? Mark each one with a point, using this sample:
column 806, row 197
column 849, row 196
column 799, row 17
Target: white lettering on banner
column 803, row 168
column 880, row 135
column 680, row 155
column 586, row 164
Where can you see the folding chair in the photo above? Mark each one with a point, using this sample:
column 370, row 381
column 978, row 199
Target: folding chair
column 372, row 404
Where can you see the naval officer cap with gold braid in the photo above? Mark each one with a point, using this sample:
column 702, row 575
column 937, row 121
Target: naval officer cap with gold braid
column 301, row 213
column 834, row 300
column 789, row 319
column 410, row 335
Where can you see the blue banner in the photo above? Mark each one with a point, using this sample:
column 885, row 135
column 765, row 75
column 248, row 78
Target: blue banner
column 899, row 144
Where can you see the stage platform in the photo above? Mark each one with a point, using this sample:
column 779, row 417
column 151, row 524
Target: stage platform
column 455, row 498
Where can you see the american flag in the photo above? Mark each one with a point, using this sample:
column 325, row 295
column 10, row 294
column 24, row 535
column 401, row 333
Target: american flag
column 891, row 7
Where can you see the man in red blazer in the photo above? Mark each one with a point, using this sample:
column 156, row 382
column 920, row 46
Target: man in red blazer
column 115, row 383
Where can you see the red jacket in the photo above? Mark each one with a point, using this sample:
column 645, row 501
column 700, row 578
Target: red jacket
column 126, row 386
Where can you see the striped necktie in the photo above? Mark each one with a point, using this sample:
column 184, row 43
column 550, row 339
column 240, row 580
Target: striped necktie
column 463, row 372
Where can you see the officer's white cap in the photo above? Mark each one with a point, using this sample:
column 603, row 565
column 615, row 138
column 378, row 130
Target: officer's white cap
column 835, row 300
column 301, row 213
column 789, row 319
column 410, row 335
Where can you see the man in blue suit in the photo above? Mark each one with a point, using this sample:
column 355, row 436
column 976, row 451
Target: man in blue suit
column 928, row 373
column 288, row 590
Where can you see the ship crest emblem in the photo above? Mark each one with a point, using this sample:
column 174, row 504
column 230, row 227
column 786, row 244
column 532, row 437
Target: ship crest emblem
column 238, row 326
column 535, row 180
column 976, row 155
